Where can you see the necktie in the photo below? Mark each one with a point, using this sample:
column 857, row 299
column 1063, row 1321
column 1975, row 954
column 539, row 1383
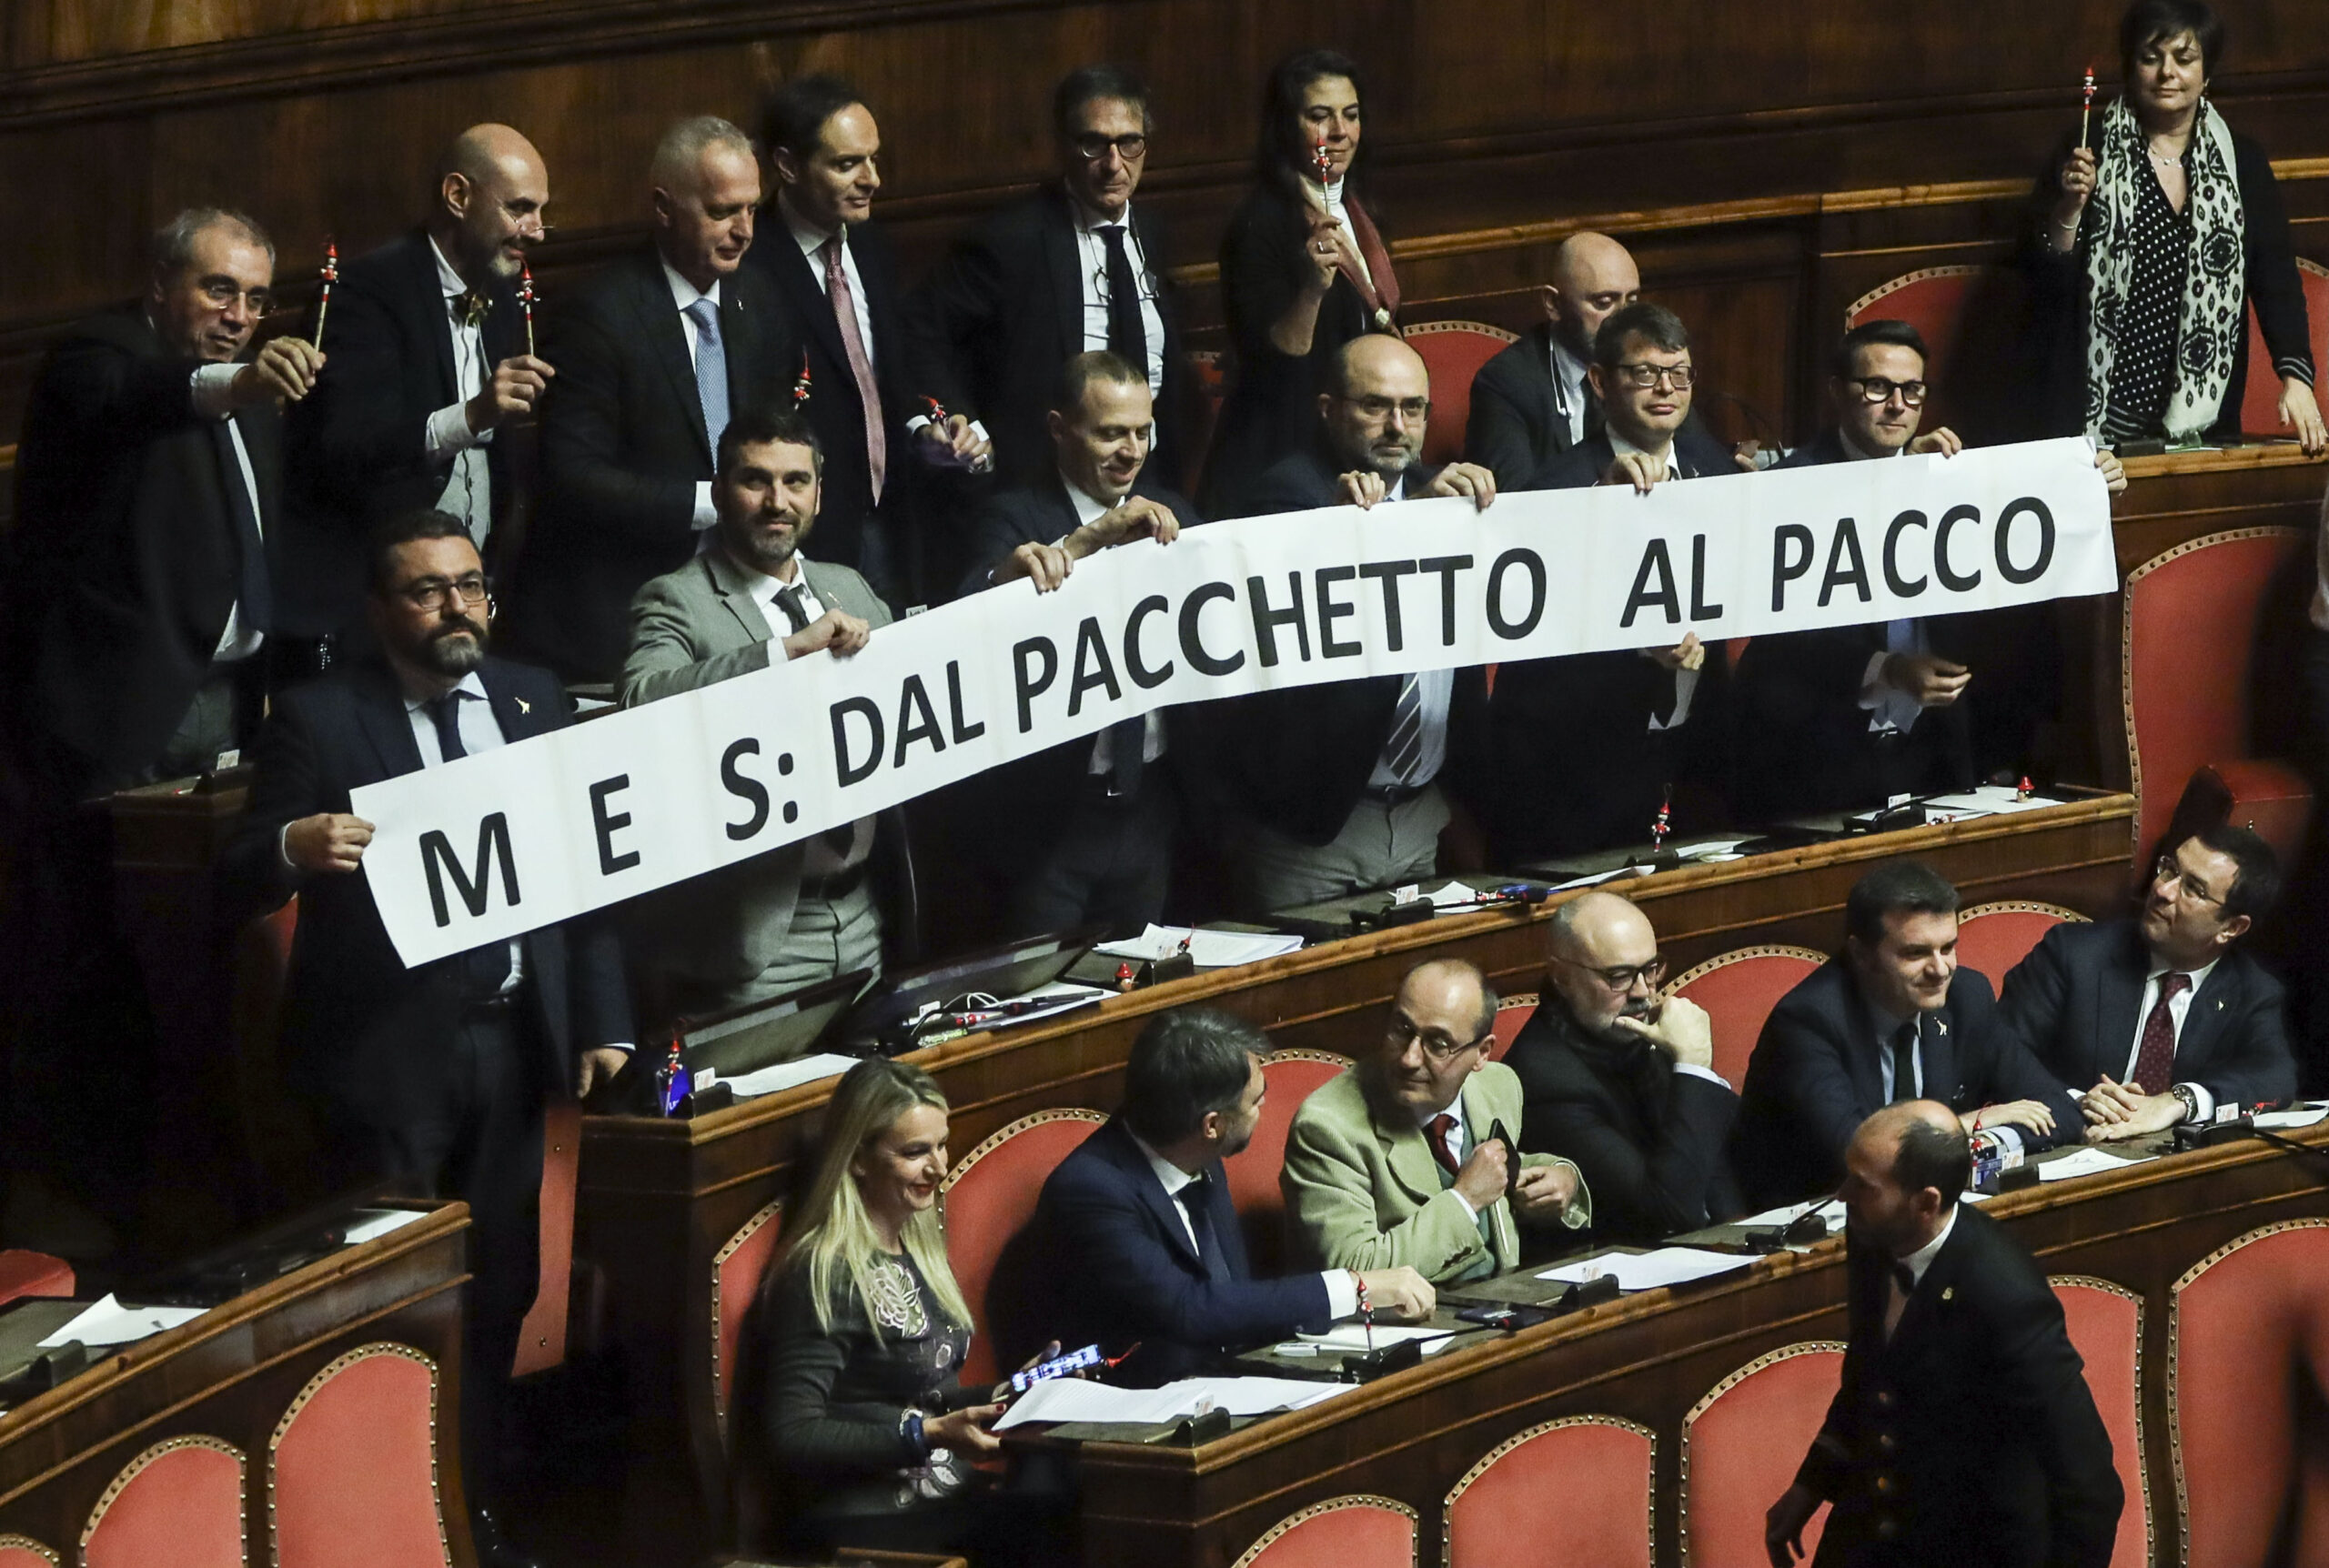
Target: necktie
column 1195, row 1199
column 1403, row 752
column 483, row 969
column 1904, row 1061
column 1127, row 335
column 844, row 838
column 1443, row 1146
column 2155, row 1060
column 1904, row 1280
column 710, row 369
column 252, row 598
column 861, row 365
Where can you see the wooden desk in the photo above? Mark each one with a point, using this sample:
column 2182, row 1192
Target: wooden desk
column 1650, row 1358
column 233, row 1372
column 659, row 1198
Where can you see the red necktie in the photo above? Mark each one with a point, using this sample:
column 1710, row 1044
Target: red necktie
column 2155, row 1061
column 869, row 396
column 1443, row 1149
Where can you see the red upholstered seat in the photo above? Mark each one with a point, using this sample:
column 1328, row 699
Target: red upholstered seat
column 2260, row 400
column 1357, row 1532
column 1742, row 1445
column 352, row 1469
column 2249, row 1324
column 2189, row 641
column 1290, row 1076
column 23, row 1551
column 1739, row 990
column 2106, row 1323
column 736, row 1272
column 1512, row 1016
column 1598, row 1466
column 1994, row 938
column 2270, row 796
column 541, row 1339
column 989, row 1196
column 179, row 1504
column 1453, row 351
column 24, row 1273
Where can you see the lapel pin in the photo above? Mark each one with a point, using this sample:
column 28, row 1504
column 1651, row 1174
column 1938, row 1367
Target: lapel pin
column 1949, row 1292
column 524, row 706
column 1940, row 1026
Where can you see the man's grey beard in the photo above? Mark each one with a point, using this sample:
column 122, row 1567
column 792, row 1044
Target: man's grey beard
column 444, row 654
column 766, row 558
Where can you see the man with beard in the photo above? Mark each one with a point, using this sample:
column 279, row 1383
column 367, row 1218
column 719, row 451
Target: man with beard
column 1623, row 1084
column 433, row 1077
column 803, row 913
column 1407, row 1157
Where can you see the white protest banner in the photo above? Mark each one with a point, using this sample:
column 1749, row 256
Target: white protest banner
column 519, row 836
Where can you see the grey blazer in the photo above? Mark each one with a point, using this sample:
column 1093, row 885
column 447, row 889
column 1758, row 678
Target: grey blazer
column 692, row 628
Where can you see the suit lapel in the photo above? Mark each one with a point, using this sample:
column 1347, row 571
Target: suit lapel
column 1479, row 1123
column 1062, row 255
column 660, row 328
column 1937, row 1042
column 809, row 301
column 1859, row 1057
column 382, row 716
column 1405, row 1153
column 1936, row 1290
column 2202, row 1019
column 735, row 591
column 1166, row 1210
column 2119, row 997
column 431, row 290
column 1151, row 246
column 518, row 720
column 740, row 337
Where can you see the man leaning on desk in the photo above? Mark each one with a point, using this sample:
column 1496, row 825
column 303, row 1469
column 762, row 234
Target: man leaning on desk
column 1406, row 1159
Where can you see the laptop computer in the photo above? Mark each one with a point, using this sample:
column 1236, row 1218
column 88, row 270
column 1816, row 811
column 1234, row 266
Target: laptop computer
column 1013, row 969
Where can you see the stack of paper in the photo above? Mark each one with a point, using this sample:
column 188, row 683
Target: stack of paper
column 1985, row 800
column 377, row 1222
column 1208, row 950
column 111, row 1323
column 789, row 1074
column 1648, row 1270
column 2086, row 1163
column 2296, row 1116
column 1074, row 1398
column 1353, row 1338
column 1832, row 1211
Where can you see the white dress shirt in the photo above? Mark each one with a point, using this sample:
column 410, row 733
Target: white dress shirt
column 1095, row 250
column 214, row 398
column 1570, row 394
column 2177, row 1010
column 1090, row 509
column 1342, row 1295
column 818, row 859
column 468, row 489
column 684, row 294
column 1686, row 682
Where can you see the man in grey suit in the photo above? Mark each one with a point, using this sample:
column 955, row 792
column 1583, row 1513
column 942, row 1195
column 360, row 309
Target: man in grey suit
column 803, row 913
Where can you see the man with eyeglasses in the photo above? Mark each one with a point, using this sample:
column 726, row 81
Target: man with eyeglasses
column 1335, row 789
column 429, row 364
column 435, row 1076
column 1621, row 1081
column 1892, row 1018
column 1074, row 269
column 2166, row 1017
column 1407, row 1158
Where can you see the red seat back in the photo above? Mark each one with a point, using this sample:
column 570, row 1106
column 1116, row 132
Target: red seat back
column 2106, row 1325
column 1739, row 990
column 1742, row 1445
column 2270, row 796
column 352, row 1469
column 1290, row 1076
column 2189, row 638
column 1600, row 1467
column 2260, row 400
column 1994, row 938
column 1453, row 351
column 1512, row 1016
column 989, row 1198
column 179, row 1504
column 1357, row 1532
column 24, row 1273
column 542, row 1338
column 736, row 1272
column 2249, row 1324
column 23, row 1551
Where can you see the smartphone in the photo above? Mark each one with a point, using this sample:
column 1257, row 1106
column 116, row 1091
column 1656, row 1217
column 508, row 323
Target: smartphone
column 1511, row 1157
column 1058, row 1366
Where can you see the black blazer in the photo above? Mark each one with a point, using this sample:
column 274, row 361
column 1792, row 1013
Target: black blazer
column 1515, row 429
column 357, row 1025
column 1815, row 1077
column 1650, row 1142
column 356, row 442
column 623, row 448
column 835, row 411
column 1977, row 1413
column 2074, row 1001
column 1110, row 1263
column 125, row 558
column 993, row 327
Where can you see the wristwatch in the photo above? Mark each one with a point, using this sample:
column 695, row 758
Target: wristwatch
column 910, row 1429
column 2190, row 1101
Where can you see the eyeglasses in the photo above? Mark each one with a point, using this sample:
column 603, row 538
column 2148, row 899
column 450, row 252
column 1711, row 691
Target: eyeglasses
column 431, row 595
column 1623, row 978
column 1131, row 147
column 2167, row 871
column 1877, row 389
column 1647, row 375
column 222, row 293
column 1438, row 1047
column 1413, row 410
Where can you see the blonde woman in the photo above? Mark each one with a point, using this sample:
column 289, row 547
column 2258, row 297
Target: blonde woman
column 869, row 1434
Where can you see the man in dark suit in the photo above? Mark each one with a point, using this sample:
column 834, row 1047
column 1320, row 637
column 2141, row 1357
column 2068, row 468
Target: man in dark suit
column 1071, row 269
column 836, row 276
column 1081, row 834
column 653, row 357
column 429, row 361
column 2165, row 1016
column 1533, row 401
column 433, row 1077
column 1964, row 1431
column 1337, row 788
column 1621, row 1084
column 1589, row 747
column 1893, row 1018
column 1135, row 1239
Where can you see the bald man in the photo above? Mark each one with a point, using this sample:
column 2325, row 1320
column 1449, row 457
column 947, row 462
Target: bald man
column 1532, row 402
column 1964, row 1431
column 1621, row 1081
column 425, row 362
column 1335, row 788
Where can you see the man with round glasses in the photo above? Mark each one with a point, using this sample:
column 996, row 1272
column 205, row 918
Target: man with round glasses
column 1407, row 1158
column 1621, row 1081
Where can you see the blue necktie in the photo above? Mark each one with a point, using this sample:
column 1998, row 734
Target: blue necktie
column 710, row 369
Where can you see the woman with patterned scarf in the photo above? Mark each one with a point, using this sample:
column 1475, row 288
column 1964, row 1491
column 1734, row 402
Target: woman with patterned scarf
column 2159, row 236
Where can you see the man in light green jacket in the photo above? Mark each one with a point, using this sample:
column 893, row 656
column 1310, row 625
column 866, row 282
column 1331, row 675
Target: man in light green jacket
column 1398, row 1161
